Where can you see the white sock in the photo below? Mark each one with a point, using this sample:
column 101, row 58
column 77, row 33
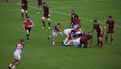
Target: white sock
column 50, row 36
column 10, row 64
column 65, row 41
column 14, row 66
column 53, row 42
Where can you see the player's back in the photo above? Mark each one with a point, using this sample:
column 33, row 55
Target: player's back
column 46, row 9
column 97, row 27
column 111, row 23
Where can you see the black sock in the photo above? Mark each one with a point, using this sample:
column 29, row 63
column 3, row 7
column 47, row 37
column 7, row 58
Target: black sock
column 106, row 38
column 111, row 39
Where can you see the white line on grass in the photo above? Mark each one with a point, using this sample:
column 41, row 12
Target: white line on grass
column 102, row 22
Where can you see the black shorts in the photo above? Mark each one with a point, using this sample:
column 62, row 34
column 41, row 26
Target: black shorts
column 29, row 29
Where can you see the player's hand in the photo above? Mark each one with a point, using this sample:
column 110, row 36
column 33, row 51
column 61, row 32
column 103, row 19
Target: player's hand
column 22, row 4
column 104, row 27
column 49, row 15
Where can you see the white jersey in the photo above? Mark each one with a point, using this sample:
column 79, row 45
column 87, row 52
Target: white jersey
column 18, row 49
column 67, row 31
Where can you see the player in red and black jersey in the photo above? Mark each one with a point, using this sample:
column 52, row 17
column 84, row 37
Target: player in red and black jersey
column 72, row 18
column 99, row 32
column 111, row 28
column 84, row 40
column 76, row 22
column 46, row 14
column 39, row 2
column 55, row 32
column 24, row 7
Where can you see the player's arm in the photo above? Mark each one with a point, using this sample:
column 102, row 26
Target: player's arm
column 49, row 12
column 14, row 48
column 23, row 26
column 32, row 24
column 93, row 30
column 105, row 26
column 101, row 29
column 22, row 50
column 91, row 40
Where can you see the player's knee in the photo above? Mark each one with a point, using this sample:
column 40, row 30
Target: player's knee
column 48, row 19
column 26, row 11
column 22, row 10
column 43, row 18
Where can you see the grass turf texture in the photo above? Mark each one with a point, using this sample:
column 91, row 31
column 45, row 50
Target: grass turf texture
column 39, row 53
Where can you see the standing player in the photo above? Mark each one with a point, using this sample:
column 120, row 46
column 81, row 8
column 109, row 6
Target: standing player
column 56, row 30
column 24, row 8
column 18, row 49
column 111, row 29
column 72, row 18
column 99, row 33
column 76, row 22
column 46, row 14
column 39, row 4
column 27, row 25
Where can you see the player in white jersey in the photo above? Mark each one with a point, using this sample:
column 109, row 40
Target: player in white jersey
column 18, row 49
column 67, row 32
column 57, row 30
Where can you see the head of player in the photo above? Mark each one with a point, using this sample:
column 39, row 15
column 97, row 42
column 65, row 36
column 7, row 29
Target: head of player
column 44, row 3
column 109, row 17
column 76, row 17
column 95, row 21
column 28, row 18
column 22, row 41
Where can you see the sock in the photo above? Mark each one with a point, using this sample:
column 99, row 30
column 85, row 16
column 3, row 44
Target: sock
column 98, row 42
column 27, row 36
column 14, row 66
column 111, row 39
column 22, row 15
column 101, row 43
column 49, row 24
column 50, row 36
column 43, row 23
column 53, row 42
column 26, row 15
column 65, row 40
column 106, row 38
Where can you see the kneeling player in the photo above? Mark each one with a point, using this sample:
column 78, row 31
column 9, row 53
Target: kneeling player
column 27, row 25
column 84, row 40
column 17, row 52
column 56, row 30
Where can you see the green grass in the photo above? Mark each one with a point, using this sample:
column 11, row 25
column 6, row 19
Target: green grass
column 39, row 53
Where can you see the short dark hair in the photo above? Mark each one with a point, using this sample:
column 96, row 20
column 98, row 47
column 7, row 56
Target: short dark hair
column 44, row 3
column 21, row 40
column 58, row 23
column 95, row 21
column 76, row 16
column 109, row 16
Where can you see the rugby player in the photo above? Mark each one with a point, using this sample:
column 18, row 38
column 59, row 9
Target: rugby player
column 18, row 49
column 46, row 14
column 111, row 29
column 39, row 2
column 84, row 40
column 68, row 32
column 76, row 22
column 27, row 25
column 24, row 7
column 72, row 18
column 99, row 31
column 57, row 29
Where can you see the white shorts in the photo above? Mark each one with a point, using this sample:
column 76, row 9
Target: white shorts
column 17, row 55
column 76, row 41
column 55, row 33
column 76, row 26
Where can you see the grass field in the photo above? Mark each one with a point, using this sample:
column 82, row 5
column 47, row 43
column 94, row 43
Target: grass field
column 39, row 53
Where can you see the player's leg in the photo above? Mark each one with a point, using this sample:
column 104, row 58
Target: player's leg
column 48, row 19
column 26, row 12
column 100, row 41
column 22, row 14
column 66, row 39
column 106, row 37
column 53, row 37
column 11, row 64
column 111, row 39
column 43, row 21
column 27, row 34
column 16, row 63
